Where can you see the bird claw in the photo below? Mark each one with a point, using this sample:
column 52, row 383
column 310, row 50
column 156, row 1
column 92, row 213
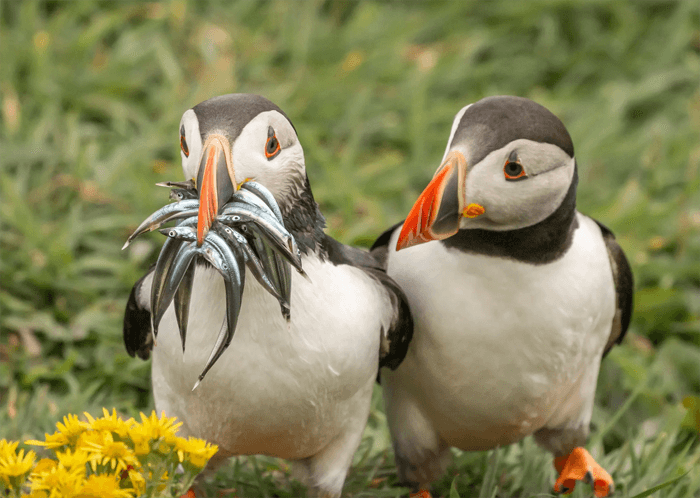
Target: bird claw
column 190, row 494
column 423, row 493
column 579, row 465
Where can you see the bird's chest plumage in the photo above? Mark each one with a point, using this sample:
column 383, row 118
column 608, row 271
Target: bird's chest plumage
column 502, row 348
column 281, row 388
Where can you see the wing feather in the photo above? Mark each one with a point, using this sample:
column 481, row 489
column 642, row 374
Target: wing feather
column 137, row 321
column 624, row 288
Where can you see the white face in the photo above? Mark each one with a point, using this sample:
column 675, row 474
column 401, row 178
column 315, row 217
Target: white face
column 544, row 176
column 282, row 173
column 254, row 153
column 192, row 144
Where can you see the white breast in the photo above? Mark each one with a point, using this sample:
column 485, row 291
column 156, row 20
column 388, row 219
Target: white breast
column 284, row 389
column 503, row 348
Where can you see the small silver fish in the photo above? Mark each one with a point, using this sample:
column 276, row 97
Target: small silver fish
column 181, row 301
column 182, row 209
column 188, row 185
column 269, row 228
column 181, row 232
column 181, row 194
column 248, row 197
column 234, row 280
column 248, row 232
column 265, row 195
column 165, row 260
column 253, row 263
column 175, row 274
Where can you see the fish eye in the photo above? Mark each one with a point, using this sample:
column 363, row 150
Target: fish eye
column 236, row 217
column 172, row 233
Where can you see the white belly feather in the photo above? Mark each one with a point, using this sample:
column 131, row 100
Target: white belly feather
column 502, row 348
column 279, row 389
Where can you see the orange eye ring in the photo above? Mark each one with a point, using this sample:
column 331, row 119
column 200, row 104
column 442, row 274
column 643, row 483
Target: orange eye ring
column 513, row 170
column 183, row 146
column 272, row 146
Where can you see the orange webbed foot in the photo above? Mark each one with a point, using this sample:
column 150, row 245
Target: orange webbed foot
column 423, row 493
column 580, row 466
column 189, row 494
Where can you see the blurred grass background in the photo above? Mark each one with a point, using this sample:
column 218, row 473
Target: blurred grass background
column 92, row 93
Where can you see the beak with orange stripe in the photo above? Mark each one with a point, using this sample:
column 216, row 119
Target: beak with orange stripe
column 215, row 182
column 438, row 211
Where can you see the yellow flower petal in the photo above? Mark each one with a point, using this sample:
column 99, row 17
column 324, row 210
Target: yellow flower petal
column 14, row 466
column 110, row 422
column 58, row 480
column 104, row 486
column 110, row 453
column 196, row 451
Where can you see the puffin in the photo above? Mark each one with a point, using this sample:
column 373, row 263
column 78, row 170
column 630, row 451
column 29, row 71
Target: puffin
column 515, row 296
column 298, row 389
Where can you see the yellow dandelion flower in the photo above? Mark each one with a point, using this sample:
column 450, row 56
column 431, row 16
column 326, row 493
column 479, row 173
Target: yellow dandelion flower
column 88, row 438
column 5, row 446
column 14, row 467
column 8, row 448
column 141, row 439
column 162, row 427
column 115, row 454
column 73, row 459
column 58, row 481
column 110, row 423
column 68, row 433
column 196, row 451
column 104, row 486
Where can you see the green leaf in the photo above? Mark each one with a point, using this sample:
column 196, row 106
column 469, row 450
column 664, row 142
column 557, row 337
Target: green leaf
column 659, row 487
column 453, row 489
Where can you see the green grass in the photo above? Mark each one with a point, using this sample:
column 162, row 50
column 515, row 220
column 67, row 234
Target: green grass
column 92, row 93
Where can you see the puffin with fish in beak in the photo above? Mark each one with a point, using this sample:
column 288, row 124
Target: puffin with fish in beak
column 515, row 296
column 298, row 385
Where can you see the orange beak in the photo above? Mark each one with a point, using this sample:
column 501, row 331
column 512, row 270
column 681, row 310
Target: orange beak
column 215, row 182
column 439, row 209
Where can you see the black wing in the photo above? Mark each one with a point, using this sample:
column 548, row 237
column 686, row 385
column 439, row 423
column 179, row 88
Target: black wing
column 624, row 288
column 137, row 322
column 395, row 340
column 381, row 245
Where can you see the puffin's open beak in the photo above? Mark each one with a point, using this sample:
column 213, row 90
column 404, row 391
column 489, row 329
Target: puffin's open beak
column 215, row 182
column 438, row 210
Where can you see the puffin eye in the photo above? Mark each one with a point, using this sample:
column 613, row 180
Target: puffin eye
column 514, row 171
column 272, row 147
column 183, row 142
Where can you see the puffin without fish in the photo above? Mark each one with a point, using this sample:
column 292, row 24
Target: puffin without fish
column 297, row 389
column 515, row 297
